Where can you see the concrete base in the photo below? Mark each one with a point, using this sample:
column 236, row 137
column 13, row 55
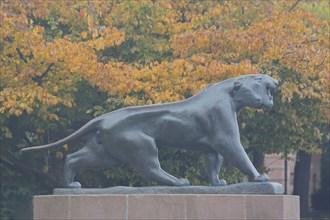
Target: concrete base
column 162, row 206
column 239, row 188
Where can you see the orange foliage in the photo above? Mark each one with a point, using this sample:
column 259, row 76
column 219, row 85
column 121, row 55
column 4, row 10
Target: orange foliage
column 172, row 49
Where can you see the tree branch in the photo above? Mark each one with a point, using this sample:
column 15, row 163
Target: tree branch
column 294, row 5
column 21, row 55
column 47, row 70
column 38, row 79
column 287, row 53
column 47, row 181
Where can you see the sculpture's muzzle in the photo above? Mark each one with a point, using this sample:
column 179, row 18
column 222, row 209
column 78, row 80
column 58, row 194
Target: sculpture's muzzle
column 274, row 84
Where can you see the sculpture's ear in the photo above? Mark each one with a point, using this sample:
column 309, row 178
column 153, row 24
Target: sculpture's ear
column 237, row 84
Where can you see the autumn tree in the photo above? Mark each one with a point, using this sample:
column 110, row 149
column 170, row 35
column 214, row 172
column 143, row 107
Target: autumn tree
column 65, row 62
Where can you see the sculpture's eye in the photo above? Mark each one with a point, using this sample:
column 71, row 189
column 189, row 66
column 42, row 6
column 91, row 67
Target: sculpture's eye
column 258, row 79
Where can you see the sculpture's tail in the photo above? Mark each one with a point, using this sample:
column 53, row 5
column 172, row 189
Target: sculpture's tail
column 90, row 126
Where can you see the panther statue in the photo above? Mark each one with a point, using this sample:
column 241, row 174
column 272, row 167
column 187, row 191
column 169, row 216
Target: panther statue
column 206, row 122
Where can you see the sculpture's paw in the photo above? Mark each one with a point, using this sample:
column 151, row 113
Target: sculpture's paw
column 261, row 178
column 74, row 185
column 183, row 182
column 220, row 182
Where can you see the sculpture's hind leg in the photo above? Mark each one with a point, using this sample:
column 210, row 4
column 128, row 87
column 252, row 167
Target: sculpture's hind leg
column 93, row 155
column 213, row 164
column 142, row 154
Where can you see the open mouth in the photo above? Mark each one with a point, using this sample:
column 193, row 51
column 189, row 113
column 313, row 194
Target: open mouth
column 270, row 98
column 258, row 104
column 268, row 105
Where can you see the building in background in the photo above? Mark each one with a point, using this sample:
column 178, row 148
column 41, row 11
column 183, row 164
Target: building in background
column 276, row 166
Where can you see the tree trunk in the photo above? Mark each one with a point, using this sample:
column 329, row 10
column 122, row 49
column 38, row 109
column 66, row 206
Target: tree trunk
column 258, row 159
column 301, row 181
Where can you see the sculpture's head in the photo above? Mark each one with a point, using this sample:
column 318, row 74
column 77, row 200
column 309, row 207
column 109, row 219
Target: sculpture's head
column 254, row 91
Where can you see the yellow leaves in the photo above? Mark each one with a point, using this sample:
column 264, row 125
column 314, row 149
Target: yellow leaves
column 198, row 59
column 45, row 97
column 166, row 81
column 7, row 133
column 27, row 98
column 287, row 93
column 15, row 102
column 104, row 38
column 209, row 42
column 130, row 101
column 65, row 147
column 53, row 117
column 59, row 155
column 45, row 168
column 38, row 30
column 90, row 23
column 83, row 34
column 95, row 33
column 83, row 13
column 98, row 44
column 68, row 103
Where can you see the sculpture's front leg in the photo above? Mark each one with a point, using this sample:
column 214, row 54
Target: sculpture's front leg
column 231, row 149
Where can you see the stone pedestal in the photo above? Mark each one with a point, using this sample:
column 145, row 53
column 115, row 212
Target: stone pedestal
column 166, row 206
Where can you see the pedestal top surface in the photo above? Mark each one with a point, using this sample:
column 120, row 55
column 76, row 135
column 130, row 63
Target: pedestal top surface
column 240, row 188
